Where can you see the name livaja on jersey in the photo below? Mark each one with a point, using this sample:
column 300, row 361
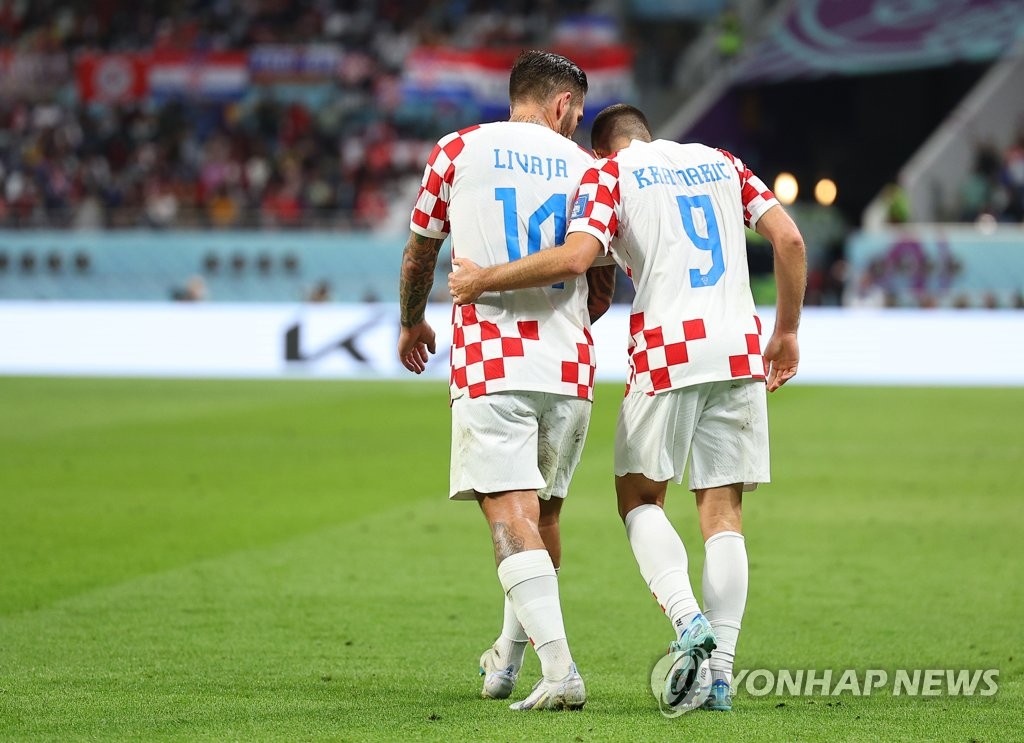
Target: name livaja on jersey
column 546, row 167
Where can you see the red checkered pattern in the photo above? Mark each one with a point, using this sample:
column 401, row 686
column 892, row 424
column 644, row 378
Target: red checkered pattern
column 600, row 186
column 430, row 214
column 651, row 355
column 580, row 372
column 752, row 363
column 479, row 350
column 757, row 197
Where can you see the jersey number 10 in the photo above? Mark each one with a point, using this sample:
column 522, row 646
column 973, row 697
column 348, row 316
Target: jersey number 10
column 712, row 243
column 554, row 206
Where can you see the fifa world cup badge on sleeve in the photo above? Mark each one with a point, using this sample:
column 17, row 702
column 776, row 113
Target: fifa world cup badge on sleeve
column 579, row 207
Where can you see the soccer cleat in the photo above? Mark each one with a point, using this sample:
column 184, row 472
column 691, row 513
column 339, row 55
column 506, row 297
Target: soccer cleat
column 498, row 681
column 568, row 693
column 696, row 642
column 697, row 638
column 720, row 699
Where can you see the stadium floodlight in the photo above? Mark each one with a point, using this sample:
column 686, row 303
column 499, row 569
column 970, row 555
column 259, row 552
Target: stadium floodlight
column 786, row 188
column 825, row 192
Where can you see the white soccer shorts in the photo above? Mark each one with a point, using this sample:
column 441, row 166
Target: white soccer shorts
column 721, row 426
column 516, row 441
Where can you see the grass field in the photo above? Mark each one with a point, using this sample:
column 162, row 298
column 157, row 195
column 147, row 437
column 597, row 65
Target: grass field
column 277, row 561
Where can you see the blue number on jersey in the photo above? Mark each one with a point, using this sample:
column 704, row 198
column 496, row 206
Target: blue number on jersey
column 711, row 243
column 554, row 206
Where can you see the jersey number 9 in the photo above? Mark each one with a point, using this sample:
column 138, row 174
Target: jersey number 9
column 712, row 242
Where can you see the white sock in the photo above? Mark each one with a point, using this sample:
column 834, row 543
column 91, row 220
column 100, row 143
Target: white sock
column 725, row 597
column 531, row 585
column 511, row 644
column 661, row 557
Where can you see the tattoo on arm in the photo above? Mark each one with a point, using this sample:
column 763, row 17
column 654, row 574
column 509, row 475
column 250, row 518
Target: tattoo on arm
column 506, row 542
column 418, row 263
column 601, row 283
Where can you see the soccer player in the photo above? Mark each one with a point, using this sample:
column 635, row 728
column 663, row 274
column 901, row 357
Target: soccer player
column 673, row 216
column 522, row 363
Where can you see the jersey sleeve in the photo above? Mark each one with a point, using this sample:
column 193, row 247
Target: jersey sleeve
column 597, row 206
column 430, row 214
column 757, row 198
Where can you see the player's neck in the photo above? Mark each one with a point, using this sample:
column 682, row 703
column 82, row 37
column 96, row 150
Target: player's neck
column 621, row 143
column 529, row 116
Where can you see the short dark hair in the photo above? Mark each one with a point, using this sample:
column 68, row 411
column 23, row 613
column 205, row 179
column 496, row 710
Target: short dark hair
column 619, row 120
column 537, row 76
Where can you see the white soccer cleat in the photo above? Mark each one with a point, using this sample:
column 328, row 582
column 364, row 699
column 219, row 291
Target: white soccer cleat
column 568, row 693
column 498, row 682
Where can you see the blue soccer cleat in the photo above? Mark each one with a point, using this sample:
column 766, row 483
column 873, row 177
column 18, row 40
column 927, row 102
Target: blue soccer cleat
column 693, row 648
column 698, row 639
column 720, row 699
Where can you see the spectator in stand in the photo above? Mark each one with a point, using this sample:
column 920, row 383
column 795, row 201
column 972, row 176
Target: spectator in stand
column 995, row 186
column 1012, row 177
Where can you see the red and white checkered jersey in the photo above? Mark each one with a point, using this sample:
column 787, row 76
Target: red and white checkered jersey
column 673, row 215
column 502, row 191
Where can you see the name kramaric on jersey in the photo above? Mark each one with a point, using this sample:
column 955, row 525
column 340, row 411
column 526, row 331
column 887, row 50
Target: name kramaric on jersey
column 652, row 175
column 546, row 167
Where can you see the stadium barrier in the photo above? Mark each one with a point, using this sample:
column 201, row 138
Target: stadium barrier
column 358, row 341
column 236, row 266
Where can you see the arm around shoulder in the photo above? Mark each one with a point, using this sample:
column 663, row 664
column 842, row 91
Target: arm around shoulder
column 567, row 261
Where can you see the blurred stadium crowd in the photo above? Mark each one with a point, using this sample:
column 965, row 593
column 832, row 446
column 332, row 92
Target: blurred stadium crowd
column 269, row 159
column 230, row 115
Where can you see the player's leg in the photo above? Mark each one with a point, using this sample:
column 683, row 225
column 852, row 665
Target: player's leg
column 651, row 443
column 562, row 433
column 550, row 531
column 500, row 663
column 725, row 580
column 494, row 450
column 495, row 445
column 528, row 577
column 562, row 430
column 656, row 545
column 730, row 454
column 508, row 650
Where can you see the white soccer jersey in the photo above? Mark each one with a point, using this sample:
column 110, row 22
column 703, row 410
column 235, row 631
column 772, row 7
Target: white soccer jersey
column 676, row 213
column 502, row 191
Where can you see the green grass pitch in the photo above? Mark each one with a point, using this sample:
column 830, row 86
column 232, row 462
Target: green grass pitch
column 215, row 560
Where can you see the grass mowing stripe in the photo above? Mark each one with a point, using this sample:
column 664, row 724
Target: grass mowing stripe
column 127, row 490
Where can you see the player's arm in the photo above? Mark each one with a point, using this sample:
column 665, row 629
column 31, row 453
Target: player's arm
column 467, row 281
column 428, row 228
column 416, row 336
column 601, row 287
column 782, row 351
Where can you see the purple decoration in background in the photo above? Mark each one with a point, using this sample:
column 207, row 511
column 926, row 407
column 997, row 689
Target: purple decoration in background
column 848, row 37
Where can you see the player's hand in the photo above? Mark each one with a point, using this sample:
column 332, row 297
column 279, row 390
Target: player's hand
column 783, row 356
column 464, row 282
column 413, row 344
